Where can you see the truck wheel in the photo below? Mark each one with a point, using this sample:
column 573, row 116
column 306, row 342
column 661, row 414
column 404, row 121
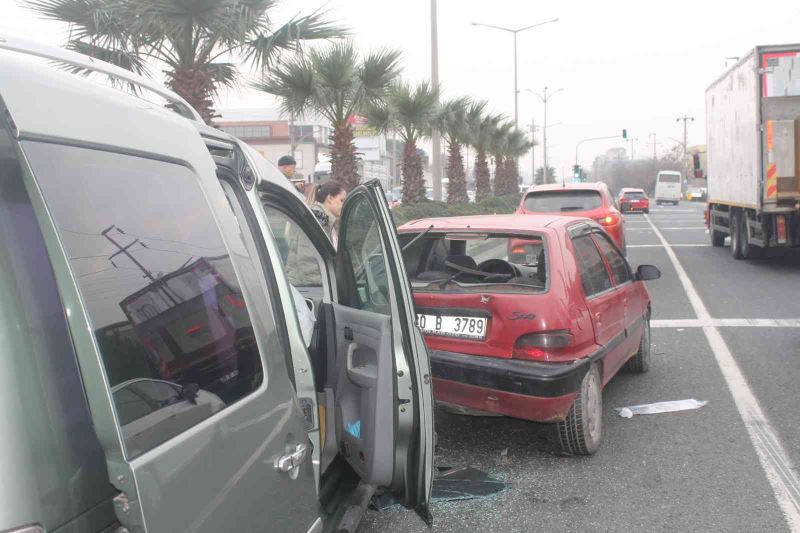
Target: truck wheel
column 749, row 251
column 582, row 430
column 736, row 235
column 640, row 363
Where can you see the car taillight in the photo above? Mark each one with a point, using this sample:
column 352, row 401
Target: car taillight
column 539, row 345
column 518, row 250
column 608, row 220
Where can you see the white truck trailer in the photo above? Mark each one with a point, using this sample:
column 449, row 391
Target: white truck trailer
column 753, row 143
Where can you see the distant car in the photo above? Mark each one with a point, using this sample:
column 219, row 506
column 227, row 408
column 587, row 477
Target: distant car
column 696, row 194
column 528, row 317
column 631, row 200
column 590, row 200
column 471, row 196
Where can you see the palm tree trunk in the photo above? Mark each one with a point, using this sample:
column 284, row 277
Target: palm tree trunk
column 505, row 181
column 195, row 85
column 413, row 180
column 344, row 164
column 499, row 175
column 457, row 178
column 483, row 186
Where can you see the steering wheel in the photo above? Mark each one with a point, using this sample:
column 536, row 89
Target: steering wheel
column 498, row 267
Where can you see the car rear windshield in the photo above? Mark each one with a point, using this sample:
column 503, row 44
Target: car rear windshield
column 634, row 195
column 456, row 262
column 669, row 178
column 563, row 201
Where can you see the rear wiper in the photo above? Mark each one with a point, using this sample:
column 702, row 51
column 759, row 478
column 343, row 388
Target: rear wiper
column 418, row 237
column 572, row 208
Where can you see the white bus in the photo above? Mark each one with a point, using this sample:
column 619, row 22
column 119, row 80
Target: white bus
column 668, row 187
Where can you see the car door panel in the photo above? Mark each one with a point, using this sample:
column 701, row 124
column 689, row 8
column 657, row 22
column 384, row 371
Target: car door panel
column 218, row 473
column 364, row 392
column 371, row 277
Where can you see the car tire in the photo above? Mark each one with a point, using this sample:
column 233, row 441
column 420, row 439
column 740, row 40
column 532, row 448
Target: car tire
column 581, row 432
column 640, row 363
column 749, row 251
column 736, row 236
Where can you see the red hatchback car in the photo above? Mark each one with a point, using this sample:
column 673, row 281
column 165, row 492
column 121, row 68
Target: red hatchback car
column 632, row 200
column 590, row 200
column 527, row 317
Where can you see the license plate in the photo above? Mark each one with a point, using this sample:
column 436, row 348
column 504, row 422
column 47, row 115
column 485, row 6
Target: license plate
column 468, row 327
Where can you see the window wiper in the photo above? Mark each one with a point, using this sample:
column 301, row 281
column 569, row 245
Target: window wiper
column 461, row 270
column 572, row 208
column 418, row 237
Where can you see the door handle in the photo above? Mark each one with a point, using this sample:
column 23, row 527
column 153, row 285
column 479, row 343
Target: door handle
column 351, row 349
column 290, row 463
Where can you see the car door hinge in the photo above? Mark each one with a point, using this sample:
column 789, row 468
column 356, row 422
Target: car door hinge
column 401, row 401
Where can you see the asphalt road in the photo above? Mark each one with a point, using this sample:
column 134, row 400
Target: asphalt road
column 728, row 466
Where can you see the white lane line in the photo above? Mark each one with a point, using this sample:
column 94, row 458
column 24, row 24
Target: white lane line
column 684, row 227
column 773, row 458
column 673, row 245
column 727, row 323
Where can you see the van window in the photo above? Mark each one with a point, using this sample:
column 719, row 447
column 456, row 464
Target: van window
column 299, row 256
column 594, row 274
column 158, row 284
column 669, row 178
column 562, row 201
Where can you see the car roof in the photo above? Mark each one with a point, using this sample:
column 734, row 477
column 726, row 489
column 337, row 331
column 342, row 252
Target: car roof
column 496, row 223
column 589, row 186
column 89, row 109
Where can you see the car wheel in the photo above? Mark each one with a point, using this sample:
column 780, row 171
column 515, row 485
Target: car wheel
column 640, row 363
column 749, row 251
column 580, row 433
column 736, row 236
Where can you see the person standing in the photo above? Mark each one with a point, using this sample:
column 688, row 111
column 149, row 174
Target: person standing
column 327, row 207
column 288, row 166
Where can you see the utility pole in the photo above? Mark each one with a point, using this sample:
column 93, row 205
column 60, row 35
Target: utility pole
column 653, row 135
column 394, row 158
column 436, row 142
column 123, row 250
column 685, row 119
column 632, row 141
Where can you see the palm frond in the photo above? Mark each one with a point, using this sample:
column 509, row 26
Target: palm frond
column 224, row 75
column 451, row 117
column 378, row 71
column 120, row 58
column 380, row 117
column 263, row 47
column 294, row 84
column 414, row 108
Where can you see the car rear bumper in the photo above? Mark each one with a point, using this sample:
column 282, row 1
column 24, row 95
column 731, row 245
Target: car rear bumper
column 542, row 392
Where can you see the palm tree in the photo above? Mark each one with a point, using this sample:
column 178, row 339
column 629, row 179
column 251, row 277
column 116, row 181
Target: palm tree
column 517, row 144
column 410, row 112
column 498, row 146
column 334, row 83
column 193, row 42
column 453, row 123
column 480, row 137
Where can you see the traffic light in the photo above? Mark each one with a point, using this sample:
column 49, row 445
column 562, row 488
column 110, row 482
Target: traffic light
column 576, row 173
column 625, row 134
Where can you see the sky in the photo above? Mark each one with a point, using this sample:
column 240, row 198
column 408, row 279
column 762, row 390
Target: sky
column 622, row 64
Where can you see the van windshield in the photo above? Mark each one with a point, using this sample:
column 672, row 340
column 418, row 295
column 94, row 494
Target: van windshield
column 669, row 178
column 500, row 263
column 563, row 201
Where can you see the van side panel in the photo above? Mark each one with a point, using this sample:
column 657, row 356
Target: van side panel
column 51, row 464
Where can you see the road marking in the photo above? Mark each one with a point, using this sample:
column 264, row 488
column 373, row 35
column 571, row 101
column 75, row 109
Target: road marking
column 727, row 323
column 773, row 458
column 673, row 245
column 684, row 227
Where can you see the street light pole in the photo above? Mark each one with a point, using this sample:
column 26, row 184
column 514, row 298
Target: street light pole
column 533, row 153
column 515, row 32
column 544, row 97
column 436, row 141
column 632, row 140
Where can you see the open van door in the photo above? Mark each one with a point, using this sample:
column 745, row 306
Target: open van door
column 383, row 391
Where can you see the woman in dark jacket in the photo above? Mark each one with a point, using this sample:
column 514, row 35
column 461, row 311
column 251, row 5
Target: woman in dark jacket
column 328, row 207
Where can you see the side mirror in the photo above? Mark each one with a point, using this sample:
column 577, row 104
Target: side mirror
column 647, row 273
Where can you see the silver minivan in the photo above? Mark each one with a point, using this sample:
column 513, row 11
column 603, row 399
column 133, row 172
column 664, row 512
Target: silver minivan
column 154, row 376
